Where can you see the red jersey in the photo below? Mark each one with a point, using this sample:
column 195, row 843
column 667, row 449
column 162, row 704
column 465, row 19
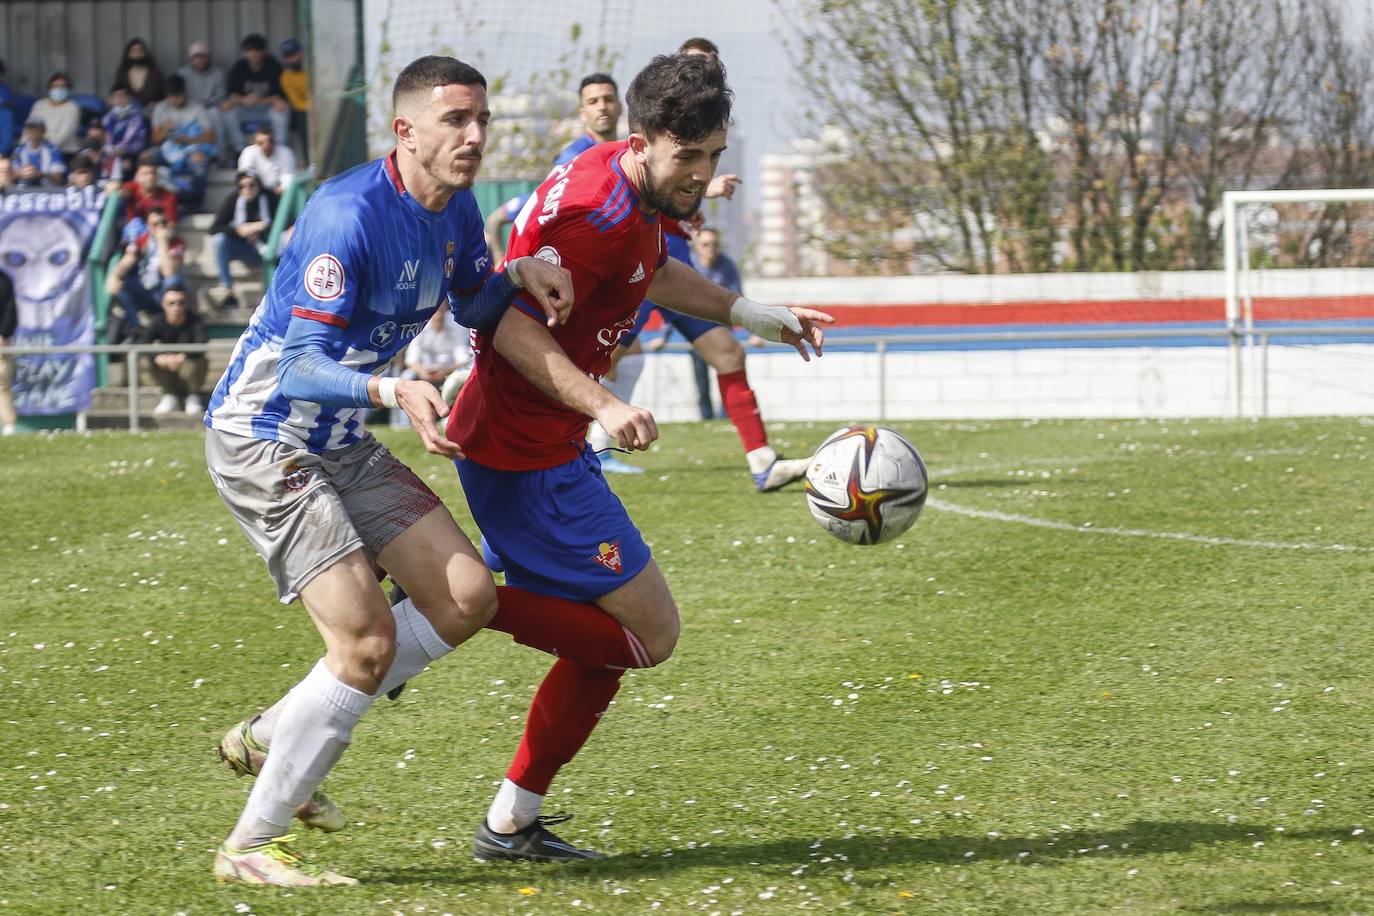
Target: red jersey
column 136, row 203
column 586, row 217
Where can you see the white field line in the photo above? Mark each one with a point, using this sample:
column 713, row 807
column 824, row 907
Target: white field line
column 1013, row 518
column 995, row 516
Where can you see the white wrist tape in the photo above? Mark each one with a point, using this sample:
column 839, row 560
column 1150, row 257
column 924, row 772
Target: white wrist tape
column 513, row 271
column 767, row 321
column 386, row 390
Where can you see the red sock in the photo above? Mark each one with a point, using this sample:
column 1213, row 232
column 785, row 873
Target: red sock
column 742, row 408
column 575, row 630
column 566, row 708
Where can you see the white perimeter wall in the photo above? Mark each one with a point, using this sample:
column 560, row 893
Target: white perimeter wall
column 1070, row 382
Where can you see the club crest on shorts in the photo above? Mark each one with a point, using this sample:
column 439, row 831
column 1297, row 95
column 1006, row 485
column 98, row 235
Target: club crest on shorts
column 608, row 555
column 296, row 477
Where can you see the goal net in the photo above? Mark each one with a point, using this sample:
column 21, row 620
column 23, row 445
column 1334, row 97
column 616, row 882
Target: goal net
column 1299, row 270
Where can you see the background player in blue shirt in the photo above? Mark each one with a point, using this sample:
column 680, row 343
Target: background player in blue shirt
column 599, row 108
column 376, row 252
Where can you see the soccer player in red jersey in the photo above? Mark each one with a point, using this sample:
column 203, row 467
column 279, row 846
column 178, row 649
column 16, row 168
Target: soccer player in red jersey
column 581, row 582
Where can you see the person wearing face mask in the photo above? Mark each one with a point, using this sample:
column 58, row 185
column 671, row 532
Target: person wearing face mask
column 126, row 130
column 60, row 115
column 140, row 73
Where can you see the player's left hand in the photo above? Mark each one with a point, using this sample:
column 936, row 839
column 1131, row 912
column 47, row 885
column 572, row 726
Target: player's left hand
column 723, row 186
column 811, row 321
column 425, row 406
column 551, row 286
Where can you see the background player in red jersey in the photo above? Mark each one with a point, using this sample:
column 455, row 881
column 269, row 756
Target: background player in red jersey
column 581, row 582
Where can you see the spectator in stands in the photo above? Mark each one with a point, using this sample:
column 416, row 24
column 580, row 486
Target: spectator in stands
column 274, row 163
column 9, row 321
column 126, row 132
column 181, row 376
column 151, row 262
column 7, row 178
column 240, row 231
column 205, row 86
column 144, row 194
column 61, row 115
column 82, row 172
column 295, row 85
column 37, row 161
column 185, row 139
column 441, row 354
column 255, row 97
column 8, row 128
column 140, row 73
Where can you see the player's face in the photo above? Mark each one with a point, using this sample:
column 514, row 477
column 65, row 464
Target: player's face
column 676, row 173
column 600, row 110
column 450, row 133
column 706, row 247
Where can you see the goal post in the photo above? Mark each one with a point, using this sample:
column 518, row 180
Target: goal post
column 1299, row 267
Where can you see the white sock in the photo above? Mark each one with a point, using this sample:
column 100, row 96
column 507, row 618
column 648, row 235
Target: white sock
column 513, row 809
column 315, row 727
column 761, row 459
column 265, row 724
column 627, row 373
column 417, row 644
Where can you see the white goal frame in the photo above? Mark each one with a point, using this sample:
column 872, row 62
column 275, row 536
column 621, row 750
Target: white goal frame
column 1240, row 318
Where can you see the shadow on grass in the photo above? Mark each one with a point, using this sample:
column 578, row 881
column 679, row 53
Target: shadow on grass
column 1140, row 839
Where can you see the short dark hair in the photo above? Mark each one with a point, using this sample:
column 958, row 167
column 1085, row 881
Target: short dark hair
column 175, row 84
column 682, row 94
column 253, row 41
column 120, row 87
column 597, row 79
column 83, row 162
column 60, row 75
column 433, row 70
column 698, row 43
column 157, row 211
column 264, row 128
column 147, row 157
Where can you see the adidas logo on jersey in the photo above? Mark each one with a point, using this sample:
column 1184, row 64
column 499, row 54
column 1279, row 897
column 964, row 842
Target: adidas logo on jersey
column 638, row 274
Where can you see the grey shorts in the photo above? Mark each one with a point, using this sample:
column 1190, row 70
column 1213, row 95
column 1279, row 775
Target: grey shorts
column 304, row 511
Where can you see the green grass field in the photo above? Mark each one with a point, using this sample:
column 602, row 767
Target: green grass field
column 1117, row 666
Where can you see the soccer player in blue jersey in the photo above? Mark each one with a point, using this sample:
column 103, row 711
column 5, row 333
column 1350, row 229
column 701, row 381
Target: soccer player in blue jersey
column 375, row 253
column 599, row 109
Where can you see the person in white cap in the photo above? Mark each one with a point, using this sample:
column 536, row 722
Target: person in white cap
column 205, row 86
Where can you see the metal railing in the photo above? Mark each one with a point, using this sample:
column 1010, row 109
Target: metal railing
column 288, row 208
column 882, row 345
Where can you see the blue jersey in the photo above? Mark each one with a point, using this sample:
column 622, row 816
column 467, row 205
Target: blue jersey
column 517, row 203
column 370, row 263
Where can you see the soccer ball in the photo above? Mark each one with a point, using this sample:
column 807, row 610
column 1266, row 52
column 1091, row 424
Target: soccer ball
column 866, row 484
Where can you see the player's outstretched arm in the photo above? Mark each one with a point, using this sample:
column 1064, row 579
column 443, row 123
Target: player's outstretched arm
column 550, row 284
column 681, row 288
column 531, row 349
column 306, row 372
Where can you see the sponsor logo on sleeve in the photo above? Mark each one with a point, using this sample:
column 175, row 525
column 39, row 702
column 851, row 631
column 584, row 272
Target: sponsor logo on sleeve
column 638, row 274
column 608, row 555
column 324, row 278
column 550, row 254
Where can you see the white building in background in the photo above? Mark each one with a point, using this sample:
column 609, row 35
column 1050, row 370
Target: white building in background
column 792, row 218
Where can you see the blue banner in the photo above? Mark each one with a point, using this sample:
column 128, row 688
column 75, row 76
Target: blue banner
column 43, row 240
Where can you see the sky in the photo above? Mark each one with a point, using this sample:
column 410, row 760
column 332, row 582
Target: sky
column 530, row 36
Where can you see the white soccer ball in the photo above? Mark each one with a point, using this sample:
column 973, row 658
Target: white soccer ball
column 866, row 484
